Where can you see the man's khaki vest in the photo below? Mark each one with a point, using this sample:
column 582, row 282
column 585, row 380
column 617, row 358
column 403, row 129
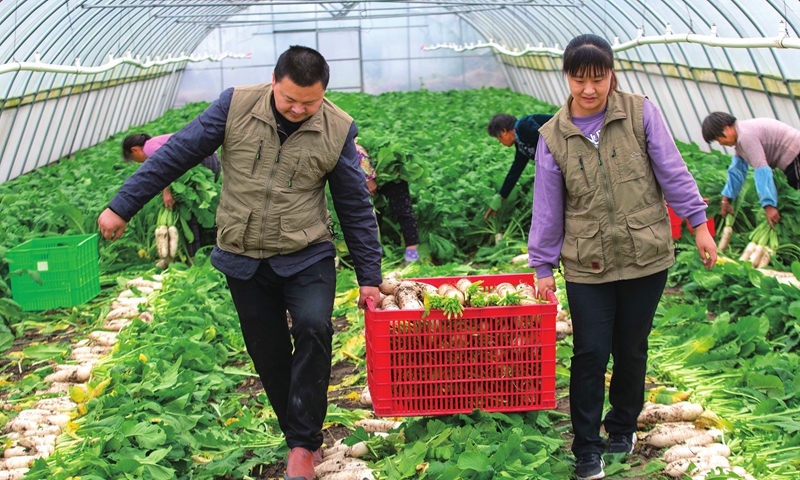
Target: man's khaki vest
column 273, row 197
column 616, row 225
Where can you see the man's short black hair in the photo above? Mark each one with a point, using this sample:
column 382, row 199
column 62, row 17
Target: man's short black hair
column 714, row 125
column 501, row 123
column 136, row 140
column 304, row 66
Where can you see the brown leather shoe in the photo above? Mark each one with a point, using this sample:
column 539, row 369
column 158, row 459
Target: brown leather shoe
column 300, row 465
column 317, row 456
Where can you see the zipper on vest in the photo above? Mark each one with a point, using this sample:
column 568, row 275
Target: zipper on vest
column 258, row 157
column 266, row 202
column 610, row 215
column 580, row 160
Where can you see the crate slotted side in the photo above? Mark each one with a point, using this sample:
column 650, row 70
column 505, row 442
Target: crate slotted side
column 67, row 266
column 496, row 359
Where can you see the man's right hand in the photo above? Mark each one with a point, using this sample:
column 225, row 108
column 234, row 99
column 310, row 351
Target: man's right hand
column 111, row 225
column 490, row 212
column 773, row 217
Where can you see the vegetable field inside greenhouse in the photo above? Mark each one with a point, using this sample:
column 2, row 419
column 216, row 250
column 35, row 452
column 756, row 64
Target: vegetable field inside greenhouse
column 151, row 378
column 387, row 239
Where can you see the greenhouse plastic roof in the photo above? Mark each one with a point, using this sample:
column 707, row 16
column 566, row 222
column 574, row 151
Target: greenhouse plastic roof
column 61, row 31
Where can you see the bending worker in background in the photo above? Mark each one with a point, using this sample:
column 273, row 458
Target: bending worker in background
column 399, row 198
column 523, row 134
column 141, row 146
column 764, row 144
column 281, row 143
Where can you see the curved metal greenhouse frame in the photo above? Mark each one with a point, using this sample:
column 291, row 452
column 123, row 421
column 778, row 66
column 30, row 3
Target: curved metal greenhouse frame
column 44, row 115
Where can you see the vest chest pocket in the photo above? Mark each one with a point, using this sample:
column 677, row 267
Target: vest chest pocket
column 582, row 250
column 629, row 165
column 580, row 175
column 307, row 174
column 298, row 230
column 651, row 234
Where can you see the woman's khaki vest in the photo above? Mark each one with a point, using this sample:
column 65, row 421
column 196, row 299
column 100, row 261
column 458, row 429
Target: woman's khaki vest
column 616, row 225
column 273, row 197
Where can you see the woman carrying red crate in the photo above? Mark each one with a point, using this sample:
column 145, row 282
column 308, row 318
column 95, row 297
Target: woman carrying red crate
column 605, row 162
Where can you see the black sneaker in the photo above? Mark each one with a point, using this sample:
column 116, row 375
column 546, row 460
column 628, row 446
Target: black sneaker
column 589, row 466
column 621, row 443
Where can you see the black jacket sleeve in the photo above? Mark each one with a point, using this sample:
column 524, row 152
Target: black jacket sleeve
column 351, row 201
column 520, row 162
column 184, row 150
column 527, row 132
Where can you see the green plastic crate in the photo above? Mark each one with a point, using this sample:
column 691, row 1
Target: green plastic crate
column 67, row 265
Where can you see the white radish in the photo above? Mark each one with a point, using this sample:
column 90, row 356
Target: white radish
column 146, row 317
column 727, row 233
column 103, row 338
column 335, row 449
column 358, row 450
column 365, row 398
column 20, row 425
column 42, row 430
column 126, row 311
column 765, row 258
column 132, row 301
column 372, row 425
column 680, row 467
column 15, row 452
column 562, row 316
column 360, row 474
column 504, row 289
column 129, row 293
column 174, row 239
column 389, row 303
column 141, row 282
column 59, row 420
column 389, row 285
column 677, row 452
column 674, row 433
column 522, row 258
column 449, row 291
column 24, row 461
column 117, row 325
column 338, row 465
column 13, row 474
column 407, row 298
column 162, row 241
column 462, row 285
column 654, row 413
column 755, row 257
column 564, row 328
column 748, row 251
column 33, row 441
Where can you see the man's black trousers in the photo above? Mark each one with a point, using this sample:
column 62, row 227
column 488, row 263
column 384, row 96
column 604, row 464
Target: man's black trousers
column 296, row 382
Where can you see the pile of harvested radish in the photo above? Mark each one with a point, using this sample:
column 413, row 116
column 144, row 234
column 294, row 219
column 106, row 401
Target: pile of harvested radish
column 398, row 294
column 694, row 450
column 342, row 462
column 33, row 432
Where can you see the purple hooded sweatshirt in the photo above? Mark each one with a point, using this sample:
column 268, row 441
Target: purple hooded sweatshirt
column 547, row 226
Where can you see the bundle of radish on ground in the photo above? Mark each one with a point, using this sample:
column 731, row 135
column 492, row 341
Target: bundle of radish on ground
column 763, row 245
column 398, row 294
column 168, row 239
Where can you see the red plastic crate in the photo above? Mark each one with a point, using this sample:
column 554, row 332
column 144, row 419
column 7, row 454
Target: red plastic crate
column 677, row 224
column 496, row 359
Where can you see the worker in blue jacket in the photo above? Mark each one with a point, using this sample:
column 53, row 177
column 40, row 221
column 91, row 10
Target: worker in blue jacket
column 523, row 134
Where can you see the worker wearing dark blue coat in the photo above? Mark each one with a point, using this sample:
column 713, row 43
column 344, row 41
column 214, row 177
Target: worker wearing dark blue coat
column 523, row 134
